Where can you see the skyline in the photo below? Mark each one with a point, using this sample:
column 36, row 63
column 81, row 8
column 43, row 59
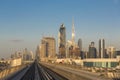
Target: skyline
column 23, row 23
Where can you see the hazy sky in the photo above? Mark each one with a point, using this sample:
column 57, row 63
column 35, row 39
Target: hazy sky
column 23, row 22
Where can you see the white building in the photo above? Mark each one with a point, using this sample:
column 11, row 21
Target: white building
column 48, row 47
column 16, row 62
column 111, row 52
column 27, row 55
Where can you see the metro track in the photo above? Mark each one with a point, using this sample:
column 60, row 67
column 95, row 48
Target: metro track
column 37, row 71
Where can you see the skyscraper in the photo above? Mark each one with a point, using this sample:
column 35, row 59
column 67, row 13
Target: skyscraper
column 111, row 52
column 43, row 49
column 68, row 45
column 80, row 44
column 101, row 48
column 92, row 51
column 74, row 49
column 62, row 41
column 73, row 34
column 27, row 55
column 48, row 47
column 38, row 53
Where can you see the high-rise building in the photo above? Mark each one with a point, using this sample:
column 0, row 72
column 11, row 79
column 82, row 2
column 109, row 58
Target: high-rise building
column 37, row 53
column 111, row 52
column 74, row 49
column 117, row 53
column 92, row 51
column 27, row 55
column 43, row 49
column 62, row 41
column 73, row 34
column 68, row 45
column 17, row 54
column 80, row 44
column 101, row 48
column 48, row 47
column 31, row 55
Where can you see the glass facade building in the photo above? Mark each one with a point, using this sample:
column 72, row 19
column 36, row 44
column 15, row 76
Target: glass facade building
column 99, row 63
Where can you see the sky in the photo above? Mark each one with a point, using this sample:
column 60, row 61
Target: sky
column 24, row 22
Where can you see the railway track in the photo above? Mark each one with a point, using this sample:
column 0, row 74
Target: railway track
column 54, row 75
column 37, row 71
column 29, row 75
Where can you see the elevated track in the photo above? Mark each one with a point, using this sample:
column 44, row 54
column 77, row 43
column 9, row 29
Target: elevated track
column 36, row 71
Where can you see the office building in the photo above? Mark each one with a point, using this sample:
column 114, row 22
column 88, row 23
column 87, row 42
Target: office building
column 27, row 55
column 68, row 45
column 117, row 53
column 62, row 41
column 111, row 52
column 37, row 56
column 92, row 51
column 102, row 48
column 101, row 63
column 48, row 47
column 17, row 54
column 80, row 44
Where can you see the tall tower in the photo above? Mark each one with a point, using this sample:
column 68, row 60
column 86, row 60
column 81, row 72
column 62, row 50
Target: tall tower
column 48, row 47
column 38, row 53
column 80, row 44
column 111, row 52
column 62, row 36
column 73, row 33
column 62, row 40
column 92, row 51
column 101, row 48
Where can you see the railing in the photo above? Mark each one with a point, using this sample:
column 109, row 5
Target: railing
column 114, row 75
column 9, row 71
